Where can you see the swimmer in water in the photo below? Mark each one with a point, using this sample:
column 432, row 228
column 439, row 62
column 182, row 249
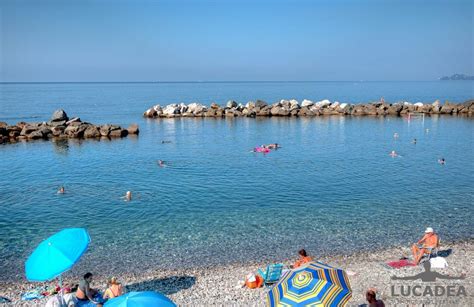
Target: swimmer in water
column 161, row 163
column 442, row 161
column 427, row 130
column 165, row 142
column 414, row 141
column 393, row 154
column 395, row 135
column 273, row 146
column 128, row 196
column 61, row 190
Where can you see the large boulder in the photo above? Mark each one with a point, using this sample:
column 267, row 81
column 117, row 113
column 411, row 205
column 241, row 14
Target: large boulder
column 231, row 104
column 59, row 115
column 73, row 120
column 35, row 135
column 27, row 129
column 75, row 131
column 211, row 112
column 250, row 105
column 3, row 131
column 394, row 109
column 92, row 132
column 260, row 104
column 118, row 133
column 58, row 130
column 323, row 103
column 275, row 110
column 294, row 104
column 265, row 111
column 447, row 109
column 305, row 111
column 133, row 129
column 171, row 109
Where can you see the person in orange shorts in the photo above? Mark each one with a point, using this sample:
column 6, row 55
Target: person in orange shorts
column 304, row 258
column 429, row 240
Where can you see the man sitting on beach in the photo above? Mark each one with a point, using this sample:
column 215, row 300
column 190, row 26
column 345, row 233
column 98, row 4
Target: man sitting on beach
column 85, row 293
column 429, row 240
column 304, row 258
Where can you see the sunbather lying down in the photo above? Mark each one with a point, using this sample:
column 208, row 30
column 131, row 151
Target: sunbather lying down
column 424, row 246
column 304, row 258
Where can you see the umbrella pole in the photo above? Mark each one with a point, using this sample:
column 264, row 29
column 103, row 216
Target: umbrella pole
column 61, row 282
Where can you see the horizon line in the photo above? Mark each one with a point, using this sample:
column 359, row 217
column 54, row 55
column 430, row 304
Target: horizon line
column 224, row 81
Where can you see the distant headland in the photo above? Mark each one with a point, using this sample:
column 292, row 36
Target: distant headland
column 457, row 77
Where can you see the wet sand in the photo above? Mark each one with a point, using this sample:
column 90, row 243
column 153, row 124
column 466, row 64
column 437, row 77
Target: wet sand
column 206, row 286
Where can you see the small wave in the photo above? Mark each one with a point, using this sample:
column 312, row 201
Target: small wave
column 20, row 117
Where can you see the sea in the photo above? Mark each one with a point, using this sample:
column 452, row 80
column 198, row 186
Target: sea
column 332, row 187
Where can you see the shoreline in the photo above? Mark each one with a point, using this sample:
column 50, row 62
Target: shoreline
column 211, row 285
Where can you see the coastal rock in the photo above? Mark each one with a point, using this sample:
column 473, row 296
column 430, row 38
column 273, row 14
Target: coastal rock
column 57, row 123
column 275, row 110
column 215, row 106
column 59, row 115
column 133, row 129
column 306, row 103
column 323, row 103
column 394, row 109
column 35, row 135
column 436, row 104
column 250, row 105
column 92, row 132
column 118, row 133
column 58, row 130
column 3, row 124
column 294, row 104
column 27, row 129
column 231, row 104
column 73, row 120
column 265, row 111
column 211, row 112
column 3, row 131
column 75, row 131
column 447, row 109
column 260, row 104
column 229, row 113
column 171, row 109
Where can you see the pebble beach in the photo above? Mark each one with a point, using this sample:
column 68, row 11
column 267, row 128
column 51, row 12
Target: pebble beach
column 222, row 285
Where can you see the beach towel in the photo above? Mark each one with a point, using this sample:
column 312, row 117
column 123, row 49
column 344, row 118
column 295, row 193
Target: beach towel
column 400, row 263
column 32, row 295
column 438, row 263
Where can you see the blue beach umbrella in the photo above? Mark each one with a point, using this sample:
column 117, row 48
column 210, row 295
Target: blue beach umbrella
column 314, row 284
column 140, row 299
column 57, row 254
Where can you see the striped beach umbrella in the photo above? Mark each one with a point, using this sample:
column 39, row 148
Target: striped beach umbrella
column 314, row 284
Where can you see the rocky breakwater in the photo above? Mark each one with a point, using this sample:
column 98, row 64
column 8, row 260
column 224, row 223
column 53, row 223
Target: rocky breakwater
column 61, row 126
column 308, row 108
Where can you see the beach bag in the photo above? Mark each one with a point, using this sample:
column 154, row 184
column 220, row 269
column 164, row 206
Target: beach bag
column 438, row 263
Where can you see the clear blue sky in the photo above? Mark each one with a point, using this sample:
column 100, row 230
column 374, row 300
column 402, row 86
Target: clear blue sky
column 181, row 40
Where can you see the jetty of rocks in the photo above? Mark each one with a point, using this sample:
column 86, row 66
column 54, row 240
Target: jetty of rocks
column 308, row 108
column 61, row 126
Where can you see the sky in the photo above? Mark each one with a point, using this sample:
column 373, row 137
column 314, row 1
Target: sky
column 230, row 40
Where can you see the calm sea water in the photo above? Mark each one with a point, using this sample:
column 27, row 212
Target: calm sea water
column 332, row 188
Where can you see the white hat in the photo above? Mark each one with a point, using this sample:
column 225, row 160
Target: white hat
column 429, row 229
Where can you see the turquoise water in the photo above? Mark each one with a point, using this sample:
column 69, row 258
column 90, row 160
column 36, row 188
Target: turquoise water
column 331, row 188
